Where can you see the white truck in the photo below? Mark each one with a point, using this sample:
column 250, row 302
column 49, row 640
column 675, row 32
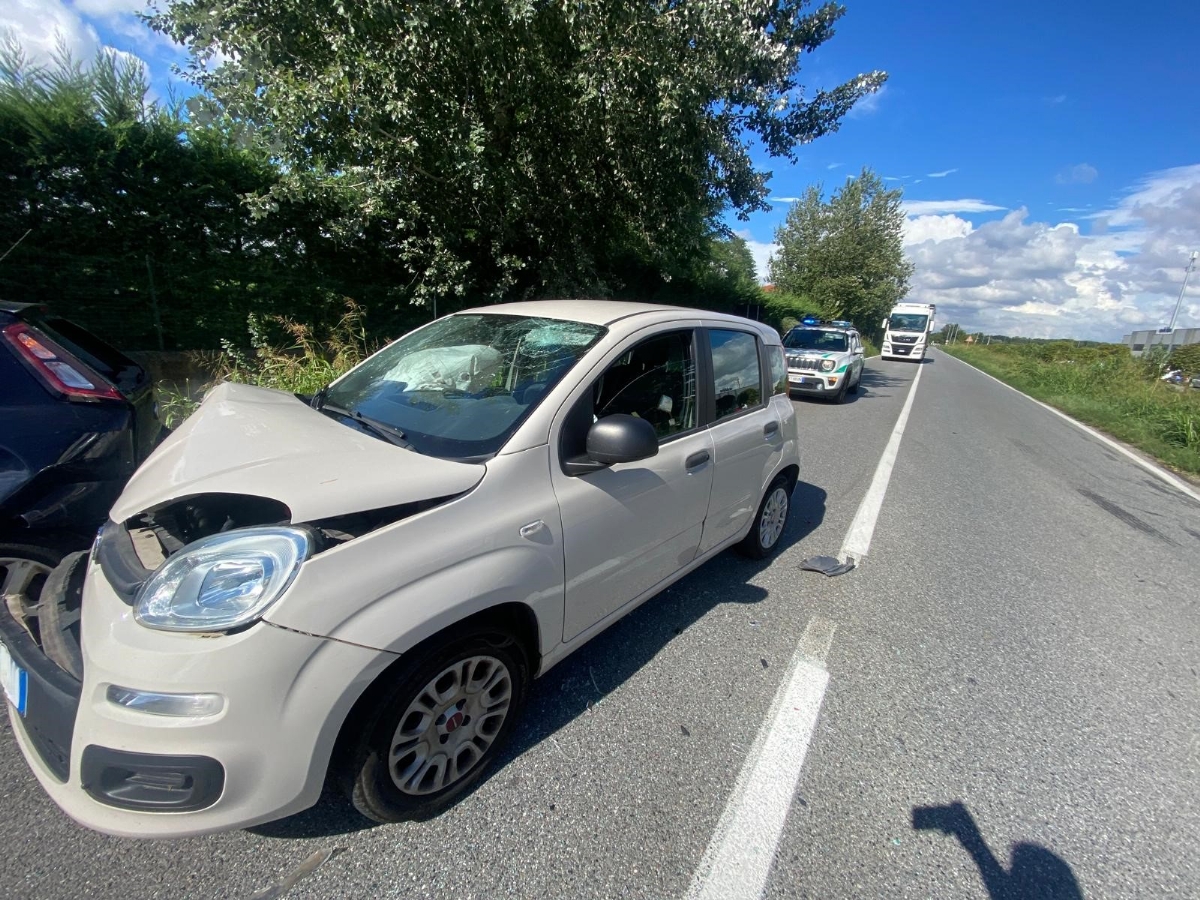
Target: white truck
column 906, row 331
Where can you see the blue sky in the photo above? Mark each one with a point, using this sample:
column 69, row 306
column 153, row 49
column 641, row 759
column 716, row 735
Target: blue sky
column 1049, row 152
column 1080, row 115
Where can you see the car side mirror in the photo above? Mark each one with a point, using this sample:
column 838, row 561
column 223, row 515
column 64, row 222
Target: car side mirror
column 614, row 439
column 884, row 324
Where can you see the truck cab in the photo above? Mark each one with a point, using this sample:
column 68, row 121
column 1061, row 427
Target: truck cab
column 906, row 331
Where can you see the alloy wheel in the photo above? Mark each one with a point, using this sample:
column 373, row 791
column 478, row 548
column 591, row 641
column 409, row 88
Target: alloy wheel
column 774, row 517
column 450, row 725
column 21, row 581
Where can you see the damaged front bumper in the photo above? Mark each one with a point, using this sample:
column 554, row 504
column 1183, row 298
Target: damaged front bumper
column 127, row 771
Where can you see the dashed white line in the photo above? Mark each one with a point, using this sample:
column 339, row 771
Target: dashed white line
column 738, row 859
column 858, row 538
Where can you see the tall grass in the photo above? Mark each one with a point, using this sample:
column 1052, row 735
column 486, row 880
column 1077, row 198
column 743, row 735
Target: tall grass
column 1106, row 387
column 300, row 361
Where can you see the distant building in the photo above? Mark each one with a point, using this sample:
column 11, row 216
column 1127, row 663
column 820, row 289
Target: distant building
column 1141, row 341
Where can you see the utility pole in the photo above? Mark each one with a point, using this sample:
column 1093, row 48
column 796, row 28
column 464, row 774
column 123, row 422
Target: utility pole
column 1186, row 272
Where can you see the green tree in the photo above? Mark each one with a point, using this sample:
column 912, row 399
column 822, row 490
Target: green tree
column 1186, row 359
column 112, row 204
column 845, row 253
column 506, row 148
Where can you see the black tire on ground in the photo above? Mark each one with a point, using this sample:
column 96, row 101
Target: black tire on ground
column 60, row 635
column 752, row 545
column 364, row 768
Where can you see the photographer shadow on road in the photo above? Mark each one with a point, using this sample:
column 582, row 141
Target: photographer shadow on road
column 597, row 669
column 1034, row 873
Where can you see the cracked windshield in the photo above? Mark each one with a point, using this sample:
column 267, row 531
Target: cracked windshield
column 649, row 449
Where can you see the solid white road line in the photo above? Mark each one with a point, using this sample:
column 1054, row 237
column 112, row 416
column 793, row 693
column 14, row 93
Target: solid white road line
column 858, row 538
column 738, row 859
column 1156, row 471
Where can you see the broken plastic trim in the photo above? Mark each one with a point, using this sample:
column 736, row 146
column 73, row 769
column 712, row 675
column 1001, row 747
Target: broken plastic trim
column 827, row 565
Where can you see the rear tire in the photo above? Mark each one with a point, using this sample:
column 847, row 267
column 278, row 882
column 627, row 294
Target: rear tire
column 770, row 522
column 436, row 731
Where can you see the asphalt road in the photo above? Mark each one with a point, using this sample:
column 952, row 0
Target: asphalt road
column 1012, row 711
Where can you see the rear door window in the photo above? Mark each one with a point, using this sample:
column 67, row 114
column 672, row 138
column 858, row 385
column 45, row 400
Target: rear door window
column 737, row 375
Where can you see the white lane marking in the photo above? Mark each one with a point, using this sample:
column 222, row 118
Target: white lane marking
column 738, row 859
column 858, row 538
column 1156, row 471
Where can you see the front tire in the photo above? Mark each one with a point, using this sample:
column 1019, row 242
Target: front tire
column 840, row 395
column 770, row 522
column 438, row 729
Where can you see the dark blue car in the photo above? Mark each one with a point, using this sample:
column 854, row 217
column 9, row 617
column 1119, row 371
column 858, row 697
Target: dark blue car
column 76, row 418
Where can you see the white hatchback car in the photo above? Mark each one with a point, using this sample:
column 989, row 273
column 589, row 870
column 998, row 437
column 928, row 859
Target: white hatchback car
column 362, row 584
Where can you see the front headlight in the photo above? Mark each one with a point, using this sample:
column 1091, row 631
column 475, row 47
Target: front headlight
column 222, row 581
column 828, row 364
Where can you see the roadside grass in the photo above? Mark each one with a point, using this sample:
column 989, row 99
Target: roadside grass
column 870, row 348
column 302, row 363
column 1106, row 387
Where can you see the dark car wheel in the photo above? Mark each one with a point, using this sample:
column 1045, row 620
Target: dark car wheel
column 24, row 569
column 770, row 522
column 438, row 729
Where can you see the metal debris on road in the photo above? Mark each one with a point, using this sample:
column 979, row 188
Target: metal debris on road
column 827, row 565
column 289, row 881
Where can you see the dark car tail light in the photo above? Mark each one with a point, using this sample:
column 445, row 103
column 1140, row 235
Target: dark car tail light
column 61, row 371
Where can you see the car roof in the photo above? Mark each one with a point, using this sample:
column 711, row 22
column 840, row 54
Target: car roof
column 609, row 312
column 16, row 309
column 840, row 329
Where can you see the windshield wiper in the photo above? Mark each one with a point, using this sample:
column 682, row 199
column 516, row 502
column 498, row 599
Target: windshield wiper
column 380, row 429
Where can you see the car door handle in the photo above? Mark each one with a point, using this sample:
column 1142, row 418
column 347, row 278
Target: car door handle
column 770, row 428
column 533, row 529
column 697, row 459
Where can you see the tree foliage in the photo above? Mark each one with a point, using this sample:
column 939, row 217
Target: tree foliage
column 1186, row 359
column 509, row 148
column 112, row 205
column 845, row 253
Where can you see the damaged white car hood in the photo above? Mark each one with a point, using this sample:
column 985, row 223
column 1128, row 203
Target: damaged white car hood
column 267, row 443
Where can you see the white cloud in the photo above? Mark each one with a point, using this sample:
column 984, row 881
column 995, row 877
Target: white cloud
column 1080, row 174
column 832, row 166
column 762, row 253
column 40, row 25
column 1056, row 99
column 107, row 8
column 1039, row 279
column 937, row 207
column 784, row 199
column 942, row 174
column 919, row 229
column 868, row 105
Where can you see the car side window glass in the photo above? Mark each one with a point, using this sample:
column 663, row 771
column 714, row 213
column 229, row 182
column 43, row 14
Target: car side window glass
column 737, row 376
column 654, row 380
column 778, row 370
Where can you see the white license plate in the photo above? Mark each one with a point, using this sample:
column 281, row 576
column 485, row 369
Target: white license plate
column 14, row 680
column 800, row 379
